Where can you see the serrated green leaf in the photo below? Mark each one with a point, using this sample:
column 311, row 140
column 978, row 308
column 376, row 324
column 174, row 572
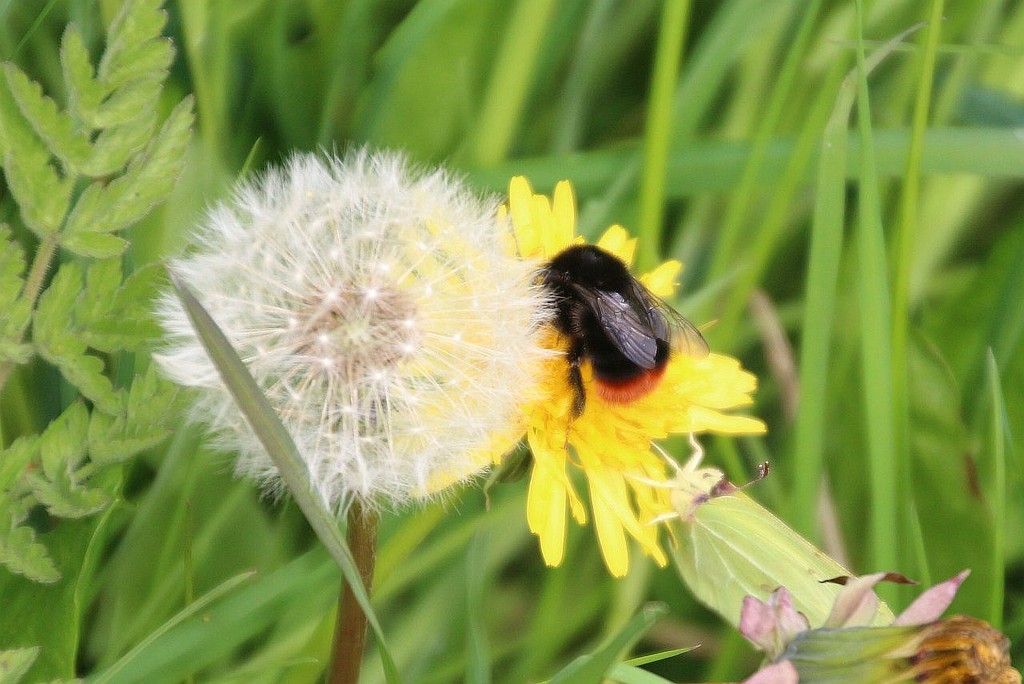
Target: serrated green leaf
column 63, row 444
column 12, row 267
column 56, row 342
column 14, row 460
column 15, row 132
column 95, row 245
column 22, row 554
column 15, row 313
column 85, row 93
column 114, row 147
column 51, row 615
column 62, row 448
column 112, row 315
column 148, row 180
column 15, row 352
column 56, row 128
column 15, row 662
column 42, row 195
column 147, row 421
column 132, row 35
column 128, row 102
column 65, row 497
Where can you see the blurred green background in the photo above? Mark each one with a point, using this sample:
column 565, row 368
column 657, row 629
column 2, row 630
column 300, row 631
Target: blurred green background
column 883, row 289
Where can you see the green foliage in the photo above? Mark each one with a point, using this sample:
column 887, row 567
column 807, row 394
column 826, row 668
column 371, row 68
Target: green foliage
column 79, row 174
column 15, row 312
column 763, row 192
column 14, row 663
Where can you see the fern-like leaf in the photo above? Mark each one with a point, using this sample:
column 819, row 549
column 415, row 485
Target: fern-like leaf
column 106, row 208
column 56, row 342
column 146, row 421
column 63, row 447
column 135, row 46
column 42, row 194
column 112, row 315
column 57, row 129
column 22, row 554
column 15, row 312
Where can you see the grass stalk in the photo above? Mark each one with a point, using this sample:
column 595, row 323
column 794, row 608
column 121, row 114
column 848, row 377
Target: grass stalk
column 674, row 20
column 903, row 253
column 510, row 82
column 876, row 349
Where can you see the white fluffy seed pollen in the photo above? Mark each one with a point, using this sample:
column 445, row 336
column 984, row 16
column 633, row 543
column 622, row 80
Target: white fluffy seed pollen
column 383, row 314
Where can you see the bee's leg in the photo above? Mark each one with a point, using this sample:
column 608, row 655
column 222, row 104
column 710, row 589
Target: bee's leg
column 579, row 398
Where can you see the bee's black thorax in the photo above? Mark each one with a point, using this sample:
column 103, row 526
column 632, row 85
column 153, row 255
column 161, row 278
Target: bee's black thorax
column 592, row 268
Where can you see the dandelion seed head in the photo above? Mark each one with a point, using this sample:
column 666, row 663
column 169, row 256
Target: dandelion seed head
column 380, row 311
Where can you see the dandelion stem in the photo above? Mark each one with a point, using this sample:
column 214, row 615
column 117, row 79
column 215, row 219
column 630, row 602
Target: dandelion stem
column 350, row 629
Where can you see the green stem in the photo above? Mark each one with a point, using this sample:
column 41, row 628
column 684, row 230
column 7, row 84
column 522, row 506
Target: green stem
column 350, row 628
column 659, row 123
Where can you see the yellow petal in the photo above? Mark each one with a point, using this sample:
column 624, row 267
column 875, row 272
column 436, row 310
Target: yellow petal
column 520, row 197
column 662, row 280
column 704, row 420
column 616, row 241
column 545, row 514
column 563, row 209
column 609, row 530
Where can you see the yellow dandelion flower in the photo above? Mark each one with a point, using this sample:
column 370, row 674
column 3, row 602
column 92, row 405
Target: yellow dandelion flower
column 610, row 441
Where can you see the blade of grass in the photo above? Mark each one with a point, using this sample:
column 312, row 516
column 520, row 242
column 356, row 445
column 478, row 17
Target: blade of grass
column 669, row 53
column 778, row 215
column 875, row 339
column 902, row 250
column 997, row 496
column 281, row 449
column 709, row 166
column 509, row 86
column 579, row 81
column 192, row 609
column 820, row 296
column 739, row 206
column 594, row 667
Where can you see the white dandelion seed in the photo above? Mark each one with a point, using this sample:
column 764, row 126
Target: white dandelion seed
column 381, row 311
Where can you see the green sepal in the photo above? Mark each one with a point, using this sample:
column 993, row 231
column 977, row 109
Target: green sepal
column 853, row 654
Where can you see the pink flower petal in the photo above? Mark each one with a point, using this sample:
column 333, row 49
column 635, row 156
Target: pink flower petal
column 931, row 604
column 857, row 603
